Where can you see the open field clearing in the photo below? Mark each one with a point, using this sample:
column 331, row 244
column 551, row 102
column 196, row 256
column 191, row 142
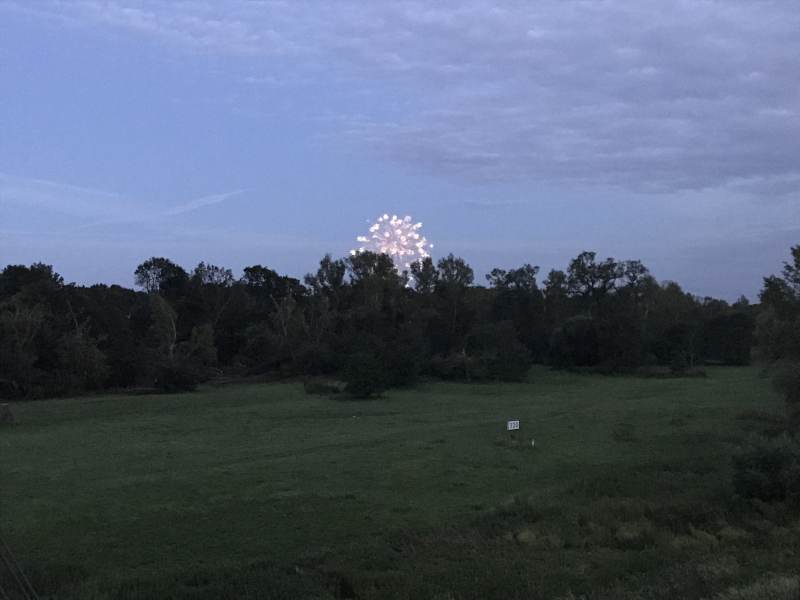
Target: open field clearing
column 260, row 491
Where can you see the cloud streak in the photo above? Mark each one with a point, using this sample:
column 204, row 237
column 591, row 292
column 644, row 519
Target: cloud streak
column 91, row 204
column 58, row 197
column 199, row 203
column 154, row 216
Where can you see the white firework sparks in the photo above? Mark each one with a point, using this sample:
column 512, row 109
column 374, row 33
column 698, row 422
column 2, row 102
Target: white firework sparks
column 399, row 238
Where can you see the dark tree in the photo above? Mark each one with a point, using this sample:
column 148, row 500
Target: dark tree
column 365, row 375
column 609, row 316
column 329, row 278
column 778, row 333
column 159, row 275
column 592, row 280
column 424, row 275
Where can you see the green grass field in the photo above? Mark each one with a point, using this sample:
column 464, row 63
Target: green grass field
column 260, row 491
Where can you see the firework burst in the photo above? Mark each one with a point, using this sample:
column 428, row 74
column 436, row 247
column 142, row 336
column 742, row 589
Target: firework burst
column 399, row 238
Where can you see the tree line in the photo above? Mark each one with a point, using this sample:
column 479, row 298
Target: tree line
column 358, row 317
column 778, row 337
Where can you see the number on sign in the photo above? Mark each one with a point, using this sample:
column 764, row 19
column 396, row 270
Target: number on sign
column 513, row 425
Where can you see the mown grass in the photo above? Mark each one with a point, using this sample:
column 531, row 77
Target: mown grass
column 262, row 491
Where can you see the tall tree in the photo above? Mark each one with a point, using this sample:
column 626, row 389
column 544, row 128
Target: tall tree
column 160, row 274
column 592, row 280
column 424, row 276
column 329, row 280
column 778, row 332
column 455, row 321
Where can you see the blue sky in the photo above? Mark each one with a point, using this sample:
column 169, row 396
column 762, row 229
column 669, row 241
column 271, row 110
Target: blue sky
column 240, row 132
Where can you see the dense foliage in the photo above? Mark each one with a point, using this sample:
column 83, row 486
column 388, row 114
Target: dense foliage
column 778, row 333
column 769, row 470
column 186, row 327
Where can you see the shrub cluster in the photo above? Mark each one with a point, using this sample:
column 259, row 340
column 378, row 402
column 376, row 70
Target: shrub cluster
column 769, row 470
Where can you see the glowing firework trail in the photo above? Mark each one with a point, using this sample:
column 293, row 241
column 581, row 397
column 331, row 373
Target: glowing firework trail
column 399, row 238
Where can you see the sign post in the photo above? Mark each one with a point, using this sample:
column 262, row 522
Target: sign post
column 513, row 429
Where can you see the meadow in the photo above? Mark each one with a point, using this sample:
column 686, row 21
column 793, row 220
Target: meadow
column 263, row 491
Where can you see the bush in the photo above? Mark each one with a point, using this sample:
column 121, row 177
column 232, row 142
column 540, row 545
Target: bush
column 459, row 367
column 177, row 376
column 365, row 376
column 769, row 470
column 679, row 364
column 509, row 360
column 492, row 352
column 320, row 387
column 654, row 372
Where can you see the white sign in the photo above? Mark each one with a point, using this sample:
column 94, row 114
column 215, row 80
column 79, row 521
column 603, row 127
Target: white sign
column 512, row 425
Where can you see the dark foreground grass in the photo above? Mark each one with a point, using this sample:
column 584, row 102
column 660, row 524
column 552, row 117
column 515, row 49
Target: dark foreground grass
column 261, row 491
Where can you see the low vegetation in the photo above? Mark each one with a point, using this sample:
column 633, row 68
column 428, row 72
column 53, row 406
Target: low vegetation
column 632, row 490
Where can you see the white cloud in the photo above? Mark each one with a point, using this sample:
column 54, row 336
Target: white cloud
column 640, row 94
